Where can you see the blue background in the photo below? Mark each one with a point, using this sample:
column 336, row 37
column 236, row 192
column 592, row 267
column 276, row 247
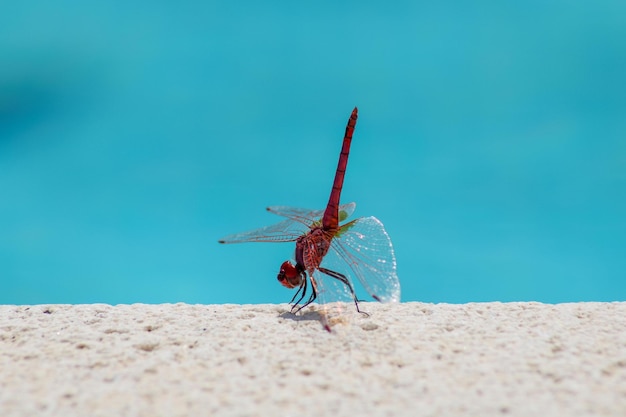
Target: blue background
column 491, row 143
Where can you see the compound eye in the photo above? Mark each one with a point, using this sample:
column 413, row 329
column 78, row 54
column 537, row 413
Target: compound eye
column 289, row 276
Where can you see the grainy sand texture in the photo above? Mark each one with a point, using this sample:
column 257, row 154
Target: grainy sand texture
column 409, row 359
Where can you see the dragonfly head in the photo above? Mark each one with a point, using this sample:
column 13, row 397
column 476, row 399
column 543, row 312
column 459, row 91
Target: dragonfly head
column 289, row 275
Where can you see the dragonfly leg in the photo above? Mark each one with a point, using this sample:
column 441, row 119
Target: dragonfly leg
column 345, row 281
column 300, row 288
column 302, row 291
column 309, row 301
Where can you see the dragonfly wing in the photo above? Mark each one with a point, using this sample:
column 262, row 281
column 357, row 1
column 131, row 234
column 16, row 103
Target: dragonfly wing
column 285, row 231
column 304, row 216
column 298, row 222
column 366, row 247
column 307, row 216
column 346, row 210
column 334, row 299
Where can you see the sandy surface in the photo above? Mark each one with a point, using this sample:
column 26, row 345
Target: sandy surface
column 414, row 359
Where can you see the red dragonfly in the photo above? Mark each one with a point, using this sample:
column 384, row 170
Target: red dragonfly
column 362, row 245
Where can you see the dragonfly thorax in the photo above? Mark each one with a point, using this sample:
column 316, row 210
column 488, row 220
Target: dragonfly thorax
column 311, row 248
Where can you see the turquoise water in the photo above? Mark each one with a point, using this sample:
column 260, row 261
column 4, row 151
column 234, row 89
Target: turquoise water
column 491, row 143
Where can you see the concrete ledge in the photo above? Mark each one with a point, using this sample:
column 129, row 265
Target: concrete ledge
column 486, row 359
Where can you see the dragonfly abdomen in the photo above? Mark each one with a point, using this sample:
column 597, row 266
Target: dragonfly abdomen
column 331, row 215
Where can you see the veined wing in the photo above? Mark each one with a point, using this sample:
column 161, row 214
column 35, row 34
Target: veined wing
column 366, row 247
column 309, row 217
column 298, row 222
column 285, row 231
column 334, row 300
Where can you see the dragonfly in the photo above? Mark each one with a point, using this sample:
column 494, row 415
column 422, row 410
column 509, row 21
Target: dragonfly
column 358, row 248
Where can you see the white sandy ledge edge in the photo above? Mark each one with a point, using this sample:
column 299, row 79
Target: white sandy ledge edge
column 483, row 359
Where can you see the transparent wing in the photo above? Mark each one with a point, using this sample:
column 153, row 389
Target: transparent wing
column 334, row 300
column 299, row 221
column 309, row 217
column 366, row 247
column 332, row 290
column 285, row 231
